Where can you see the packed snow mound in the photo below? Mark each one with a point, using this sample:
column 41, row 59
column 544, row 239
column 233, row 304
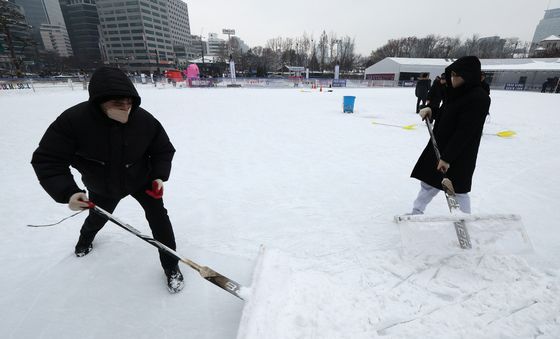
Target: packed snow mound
column 395, row 296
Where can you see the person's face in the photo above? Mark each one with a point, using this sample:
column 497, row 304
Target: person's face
column 118, row 109
column 456, row 80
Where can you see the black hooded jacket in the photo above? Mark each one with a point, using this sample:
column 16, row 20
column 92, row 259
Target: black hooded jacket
column 458, row 129
column 422, row 88
column 114, row 159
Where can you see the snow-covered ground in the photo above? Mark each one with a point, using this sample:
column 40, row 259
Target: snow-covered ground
column 286, row 169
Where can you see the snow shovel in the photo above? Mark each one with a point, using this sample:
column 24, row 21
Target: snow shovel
column 205, row 272
column 498, row 233
column 407, row 127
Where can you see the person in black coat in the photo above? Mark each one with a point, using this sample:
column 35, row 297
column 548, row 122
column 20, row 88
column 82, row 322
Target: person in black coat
column 422, row 88
column 458, row 131
column 119, row 149
column 436, row 95
column 483, row 83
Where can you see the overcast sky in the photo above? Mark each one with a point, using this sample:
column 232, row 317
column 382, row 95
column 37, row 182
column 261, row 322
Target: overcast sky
column 370, row 22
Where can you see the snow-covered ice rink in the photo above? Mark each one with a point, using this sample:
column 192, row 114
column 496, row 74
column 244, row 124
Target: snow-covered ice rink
column 286, row 169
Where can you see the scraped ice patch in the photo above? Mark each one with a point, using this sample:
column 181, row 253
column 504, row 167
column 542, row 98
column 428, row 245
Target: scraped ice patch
column 488, row 236
column 400, row 297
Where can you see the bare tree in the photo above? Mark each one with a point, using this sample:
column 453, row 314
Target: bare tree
column 323, row 51
column 347, row 56
column 426, row 47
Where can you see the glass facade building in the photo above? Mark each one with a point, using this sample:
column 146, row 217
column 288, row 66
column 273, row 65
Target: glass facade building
column 549, row 25
column 82, row 24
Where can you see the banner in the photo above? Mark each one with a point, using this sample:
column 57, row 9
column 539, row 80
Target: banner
column 513, row 86
column 339, row 83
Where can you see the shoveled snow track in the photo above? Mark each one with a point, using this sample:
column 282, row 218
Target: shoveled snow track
column 455, row 296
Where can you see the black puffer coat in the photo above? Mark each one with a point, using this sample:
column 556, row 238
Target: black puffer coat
column 458, row 129
column 422, row 88
column 114, row 159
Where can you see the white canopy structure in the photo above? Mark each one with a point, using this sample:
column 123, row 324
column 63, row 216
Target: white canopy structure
column 501, row 73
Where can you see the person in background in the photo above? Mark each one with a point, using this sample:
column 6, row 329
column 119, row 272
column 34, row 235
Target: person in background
column 545, row 85
column 422, row 89
column 457, row 131
column 436, row 95
column 484, row 84
column 120, row 149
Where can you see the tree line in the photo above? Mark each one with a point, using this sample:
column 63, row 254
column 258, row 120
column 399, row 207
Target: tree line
column 435, row 46
column 322, row 54
column 316, row 54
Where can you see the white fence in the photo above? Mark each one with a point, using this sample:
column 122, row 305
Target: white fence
column 76, row 83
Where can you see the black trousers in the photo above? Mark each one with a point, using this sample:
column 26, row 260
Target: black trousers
column 423, row 101
column 156, row 214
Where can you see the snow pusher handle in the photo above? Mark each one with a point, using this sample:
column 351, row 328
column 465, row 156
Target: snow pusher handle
column 463, row 235
column 205, row 272
column 446, row 182
column 433, row 138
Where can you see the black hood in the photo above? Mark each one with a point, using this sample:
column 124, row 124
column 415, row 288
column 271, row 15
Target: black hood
column 467, row 67
column 107, row 82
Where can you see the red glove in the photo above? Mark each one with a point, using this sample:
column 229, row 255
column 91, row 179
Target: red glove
column 157, row 189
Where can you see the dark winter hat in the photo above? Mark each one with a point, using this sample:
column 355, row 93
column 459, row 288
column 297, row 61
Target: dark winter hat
column 109, row 83
column 467, row 67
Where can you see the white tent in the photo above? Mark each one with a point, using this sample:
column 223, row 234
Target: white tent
column 531, row 73
column 404, row 71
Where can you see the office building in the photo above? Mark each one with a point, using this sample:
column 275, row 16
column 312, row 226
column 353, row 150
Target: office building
column 47, row 22
column 20, row 42
column 549, row 25
column 142, row 35
column 82, row 24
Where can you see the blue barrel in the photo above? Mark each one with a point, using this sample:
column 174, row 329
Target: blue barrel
column 348, row 104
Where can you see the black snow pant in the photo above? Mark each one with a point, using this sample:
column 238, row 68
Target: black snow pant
column 156, row 214
column 418, row 104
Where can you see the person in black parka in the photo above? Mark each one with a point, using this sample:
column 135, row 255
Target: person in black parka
column 422, row 88
column 483, row 83
column 436, row 96
column 119, row 149
column 458, row 131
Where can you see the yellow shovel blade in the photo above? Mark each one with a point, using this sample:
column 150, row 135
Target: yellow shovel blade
column 408, row 127
column 506, row 134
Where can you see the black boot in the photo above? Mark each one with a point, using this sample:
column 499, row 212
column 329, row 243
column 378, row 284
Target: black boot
column 83, row 247
column 81, row 251
column 175, row 281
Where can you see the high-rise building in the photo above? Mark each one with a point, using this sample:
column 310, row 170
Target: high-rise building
column 143, row 34
column 237, row 43
column 55, row 39
column 82, row 24
column 17, row 50
column 196, row 47
column 179, row 22
column 45, row 17
column 184, row 44
column 216, row 46
column 549, row 25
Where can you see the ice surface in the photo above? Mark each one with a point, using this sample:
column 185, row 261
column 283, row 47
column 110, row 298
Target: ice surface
column 316, row 187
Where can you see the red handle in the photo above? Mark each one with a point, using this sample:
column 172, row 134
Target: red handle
column 90, row 204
